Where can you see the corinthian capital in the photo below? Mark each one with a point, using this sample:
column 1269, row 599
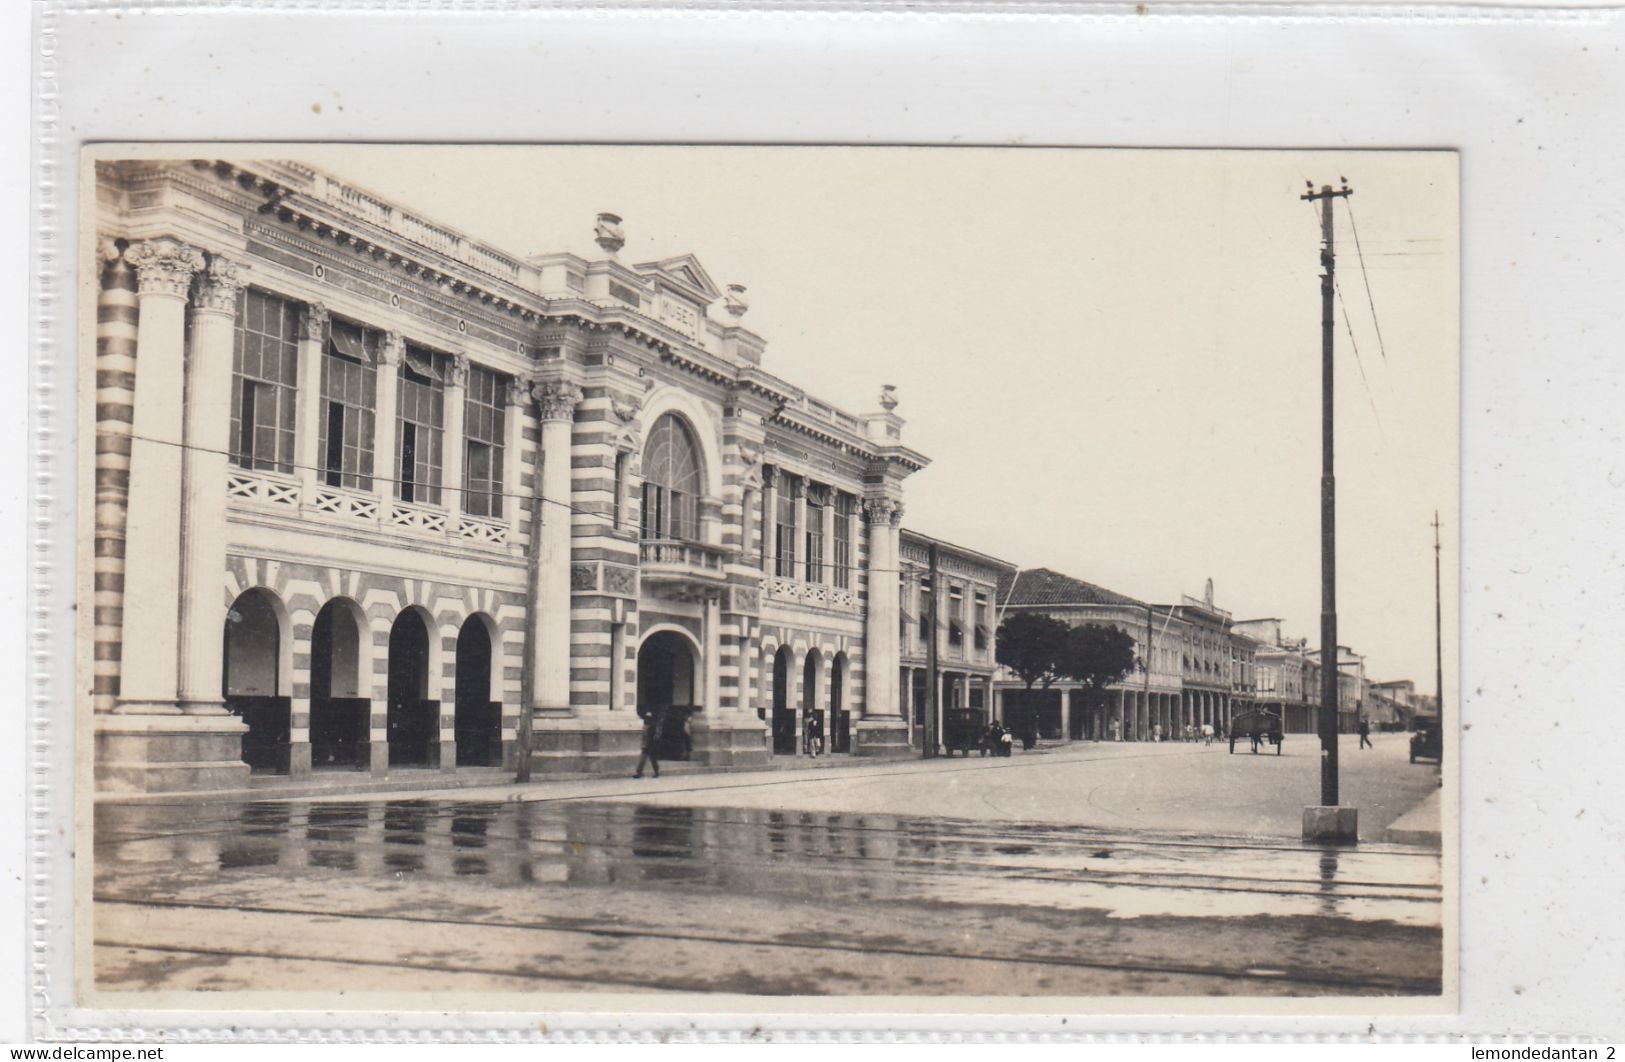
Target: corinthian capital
column 164, row 266
column 555, row 399
column 218, row 285
column 883, row 511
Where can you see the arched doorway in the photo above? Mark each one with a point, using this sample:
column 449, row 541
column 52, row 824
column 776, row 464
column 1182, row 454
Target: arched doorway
column 478, row 713
column 666, row 685
column 251, row 679
column 810, row 708
column 840, row 718
column 340, row 699
column 413, row 719
column 784, row 716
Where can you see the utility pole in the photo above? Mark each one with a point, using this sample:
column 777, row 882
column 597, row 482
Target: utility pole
column 1438, row 637
column 932, row 696
column 525, row 738
column 1328, row 503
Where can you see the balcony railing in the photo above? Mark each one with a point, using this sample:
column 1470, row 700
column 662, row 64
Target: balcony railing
column 672, row 560
column 277, row 492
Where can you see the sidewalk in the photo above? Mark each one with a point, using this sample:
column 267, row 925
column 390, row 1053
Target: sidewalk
column 1420, row 825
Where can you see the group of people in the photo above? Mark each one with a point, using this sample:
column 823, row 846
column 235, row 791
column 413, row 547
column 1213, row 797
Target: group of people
column 997, row 740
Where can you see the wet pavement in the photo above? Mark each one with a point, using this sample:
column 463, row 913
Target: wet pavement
column 664, row 894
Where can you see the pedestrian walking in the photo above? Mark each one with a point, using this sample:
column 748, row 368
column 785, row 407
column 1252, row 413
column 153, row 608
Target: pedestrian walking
column 813, row 736
column 1365, row 734
column 1156, row 732
column 654, row 724
column 1207, row 733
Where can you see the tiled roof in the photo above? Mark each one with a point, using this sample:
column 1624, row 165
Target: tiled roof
column 1041, row 586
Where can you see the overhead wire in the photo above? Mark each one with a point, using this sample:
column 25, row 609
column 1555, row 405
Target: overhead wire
column 604, row 524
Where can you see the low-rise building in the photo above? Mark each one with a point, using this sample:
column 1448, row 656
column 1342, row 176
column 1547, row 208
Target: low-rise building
column 949, row 594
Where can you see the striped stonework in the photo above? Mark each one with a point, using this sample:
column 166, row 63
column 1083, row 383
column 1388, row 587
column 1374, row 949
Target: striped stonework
column 116, row 316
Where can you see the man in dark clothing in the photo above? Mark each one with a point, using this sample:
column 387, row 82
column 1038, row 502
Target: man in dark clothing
column 1365, row 734
column 654, row 721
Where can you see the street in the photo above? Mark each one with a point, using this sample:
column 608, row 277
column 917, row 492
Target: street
column 1170, row 869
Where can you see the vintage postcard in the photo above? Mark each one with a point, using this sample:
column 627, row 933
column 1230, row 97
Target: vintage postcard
column 684, row 579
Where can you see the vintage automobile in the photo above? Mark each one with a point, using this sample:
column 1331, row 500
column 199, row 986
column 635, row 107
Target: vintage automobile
column 1257, row 725
column 962, row 730
column 1427, row 743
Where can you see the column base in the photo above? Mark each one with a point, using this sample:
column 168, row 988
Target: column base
column 169, row 753
column 881, row 738
column 741, row 741
column 600, row 743
column 1338, row 825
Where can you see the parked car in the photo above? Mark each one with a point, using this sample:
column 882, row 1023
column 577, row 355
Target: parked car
column 1427, row 743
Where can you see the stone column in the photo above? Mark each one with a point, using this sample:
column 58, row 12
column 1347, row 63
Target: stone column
column 1066, row 715
column 452, row 451
column 880, row 653
column 385, row 472
column 828, row 531
column 150, row 678
column 799, row 572
column 116, row 319
column 307, row 455
column 713, row 658
column 770, row 521
column 515, row 397
column 550, row 604
column 207, row 429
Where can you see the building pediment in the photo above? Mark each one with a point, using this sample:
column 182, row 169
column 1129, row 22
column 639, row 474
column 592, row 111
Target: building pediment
column 685, row 271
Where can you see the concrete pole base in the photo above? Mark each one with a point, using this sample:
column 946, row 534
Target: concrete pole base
column 1338, row 825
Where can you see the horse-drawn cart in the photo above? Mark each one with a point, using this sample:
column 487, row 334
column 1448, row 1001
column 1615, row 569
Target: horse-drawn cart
column 1257, row 725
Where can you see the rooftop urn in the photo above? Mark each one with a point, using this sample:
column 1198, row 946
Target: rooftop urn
column 888, row 398
column 735, row 301
column 608, row 234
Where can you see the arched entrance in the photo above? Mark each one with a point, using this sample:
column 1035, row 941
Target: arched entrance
column 413, row 718
column 784, row 716
column 840, row 718
column 478, row 714
column 666, row 685
column 251, row 678
column 810, row 708
column 340, row 700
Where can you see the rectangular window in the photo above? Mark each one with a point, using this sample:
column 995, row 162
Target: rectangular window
column 785, row 531
column 815, row 534
column 421, row 398
column 483, row 431
column 843, row 540
column 956, row 617
column 349, row 395
column 980, row 620
column 264, row 369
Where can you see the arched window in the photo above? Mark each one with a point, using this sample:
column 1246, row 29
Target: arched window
column 672, row 481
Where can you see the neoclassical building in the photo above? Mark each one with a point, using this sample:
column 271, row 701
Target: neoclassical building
column 1147, row 697
column 371, row 495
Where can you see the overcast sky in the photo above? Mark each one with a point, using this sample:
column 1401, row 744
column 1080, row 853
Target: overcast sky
column 1111, row 357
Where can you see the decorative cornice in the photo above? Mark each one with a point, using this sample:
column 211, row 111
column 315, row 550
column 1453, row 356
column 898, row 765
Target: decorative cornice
column 313, row 321
column 555, row 399
column 218, row 285
column 164, row 266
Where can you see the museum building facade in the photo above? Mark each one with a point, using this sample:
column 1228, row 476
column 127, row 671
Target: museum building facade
column 371, row 495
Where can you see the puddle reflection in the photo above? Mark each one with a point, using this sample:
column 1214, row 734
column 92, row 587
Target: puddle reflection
column 798, row 856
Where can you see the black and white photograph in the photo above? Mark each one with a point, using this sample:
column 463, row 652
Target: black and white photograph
column 513, row 573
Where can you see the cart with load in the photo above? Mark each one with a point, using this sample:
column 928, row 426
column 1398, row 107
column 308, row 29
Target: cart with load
column 1257, row 725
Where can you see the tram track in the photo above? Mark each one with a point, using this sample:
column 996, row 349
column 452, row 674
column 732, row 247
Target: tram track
column 1275, row 975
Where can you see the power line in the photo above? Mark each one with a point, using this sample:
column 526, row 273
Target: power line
column 569, row 506
column 1358, row 361
column 1355, row 229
